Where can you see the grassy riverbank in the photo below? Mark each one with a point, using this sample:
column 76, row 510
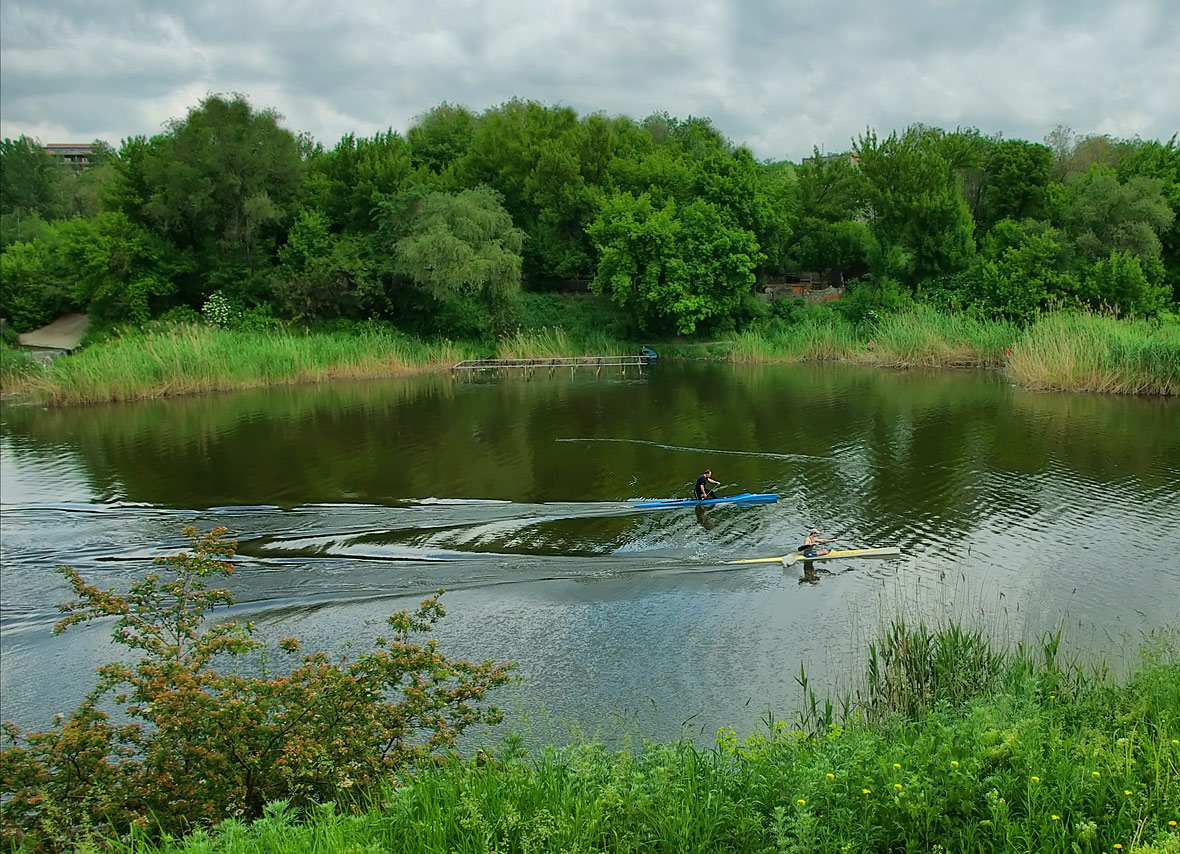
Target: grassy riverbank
column 193, row 359
column 954, row 745
column 1074, row 352
column 1066, row 351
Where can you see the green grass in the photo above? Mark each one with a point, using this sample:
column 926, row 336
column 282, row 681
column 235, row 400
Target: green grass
column 952, row 744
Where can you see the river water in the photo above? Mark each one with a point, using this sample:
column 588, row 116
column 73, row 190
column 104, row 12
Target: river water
column 1016, row 511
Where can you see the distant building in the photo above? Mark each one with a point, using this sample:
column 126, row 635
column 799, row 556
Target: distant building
column 71, row 153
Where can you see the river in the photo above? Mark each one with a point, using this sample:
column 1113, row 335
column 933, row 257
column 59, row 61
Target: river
column 1016, row 511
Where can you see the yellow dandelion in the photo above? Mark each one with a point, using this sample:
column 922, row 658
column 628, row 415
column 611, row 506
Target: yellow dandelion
column 954, row 763
column 1036, row 779
column 1171, row 823
column 801, row 802
column 1095, row 774
column 1118, row 847
column 897, row 785
column 1055, row 817
column 865, row 791
column 1126, row 791
column 1176, row 741
column 896, row 767
column 830, row 776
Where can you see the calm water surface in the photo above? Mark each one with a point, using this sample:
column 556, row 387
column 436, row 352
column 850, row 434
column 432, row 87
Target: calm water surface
column 1015, row 510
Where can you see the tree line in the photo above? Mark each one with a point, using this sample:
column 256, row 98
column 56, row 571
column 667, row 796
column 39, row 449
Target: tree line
column 439, row 229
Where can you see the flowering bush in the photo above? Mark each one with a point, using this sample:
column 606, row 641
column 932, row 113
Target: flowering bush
column 189, row 743
column 218, row 311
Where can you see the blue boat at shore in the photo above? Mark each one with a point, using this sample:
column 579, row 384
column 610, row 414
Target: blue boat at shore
column 740, row 498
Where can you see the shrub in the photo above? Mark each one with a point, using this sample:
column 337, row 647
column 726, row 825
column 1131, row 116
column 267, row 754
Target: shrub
column 190, row 743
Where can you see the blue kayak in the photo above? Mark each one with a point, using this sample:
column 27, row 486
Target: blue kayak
column 740, row 498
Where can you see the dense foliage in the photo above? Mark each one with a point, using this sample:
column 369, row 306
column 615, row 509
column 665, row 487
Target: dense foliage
column 204, row 725
column 439, row 231
column 952, row 744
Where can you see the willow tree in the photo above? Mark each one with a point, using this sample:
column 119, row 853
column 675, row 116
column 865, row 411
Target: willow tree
column 462, row 253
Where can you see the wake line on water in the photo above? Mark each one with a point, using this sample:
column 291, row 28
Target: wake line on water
column 766, row 454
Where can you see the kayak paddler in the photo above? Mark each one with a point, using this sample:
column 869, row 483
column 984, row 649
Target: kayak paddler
column 701, row 491
column 811, row 543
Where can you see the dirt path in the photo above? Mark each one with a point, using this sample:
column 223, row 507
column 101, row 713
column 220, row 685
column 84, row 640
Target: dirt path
column 65, row 333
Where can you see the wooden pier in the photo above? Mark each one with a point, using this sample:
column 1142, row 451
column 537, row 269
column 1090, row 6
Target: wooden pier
column 552, row 363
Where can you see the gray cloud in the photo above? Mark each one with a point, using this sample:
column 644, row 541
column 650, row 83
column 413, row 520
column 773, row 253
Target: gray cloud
column 779, row 76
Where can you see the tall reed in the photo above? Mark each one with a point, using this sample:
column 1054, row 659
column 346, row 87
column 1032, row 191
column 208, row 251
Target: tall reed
column 923, row 337
column 193, row 358
column 1094, row 352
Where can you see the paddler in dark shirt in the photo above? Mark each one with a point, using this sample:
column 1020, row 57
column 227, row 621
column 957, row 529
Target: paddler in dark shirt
column 701, row 491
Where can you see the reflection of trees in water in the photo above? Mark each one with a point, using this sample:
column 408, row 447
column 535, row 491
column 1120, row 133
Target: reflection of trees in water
column 891, row 447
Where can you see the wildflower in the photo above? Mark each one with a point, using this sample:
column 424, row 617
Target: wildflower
column 1172, row 823
column 801, row 802
column 1118, row 847
column 1055, row 817
column 830, row 776
column 1126, row 791
column 896, row 767
column 1036, row 779
column 1095, row 774
column 1121, row 741
column 1176, row 741
column 897, row 785
column 865, row 792
column 954, row 763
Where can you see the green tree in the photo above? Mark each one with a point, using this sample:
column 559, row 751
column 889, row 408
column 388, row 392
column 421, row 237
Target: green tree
column 350, row 182
column 1016, row 183
column 914, row 201
column 673, row 267
column 531, row 155
column 222, row 183
column 1103, row 215
column 1118, row 284
column 460, row 250
column 123, row 271
column 36, row 281
column 440, row 137
column 31, row 189
column 1158, row 160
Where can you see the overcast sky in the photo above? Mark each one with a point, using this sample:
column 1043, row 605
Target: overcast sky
column 780, row 77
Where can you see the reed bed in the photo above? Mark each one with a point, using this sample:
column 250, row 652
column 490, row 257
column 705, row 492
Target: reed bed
column 553, row 341
column 193, row 359
column 927, row 338
column 955, row 745
column 1065, row 351
column 1093, row 352
column 17, row 368
column 819, row 341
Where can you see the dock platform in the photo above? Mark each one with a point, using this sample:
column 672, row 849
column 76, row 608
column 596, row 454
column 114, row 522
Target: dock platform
column 552, row 363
